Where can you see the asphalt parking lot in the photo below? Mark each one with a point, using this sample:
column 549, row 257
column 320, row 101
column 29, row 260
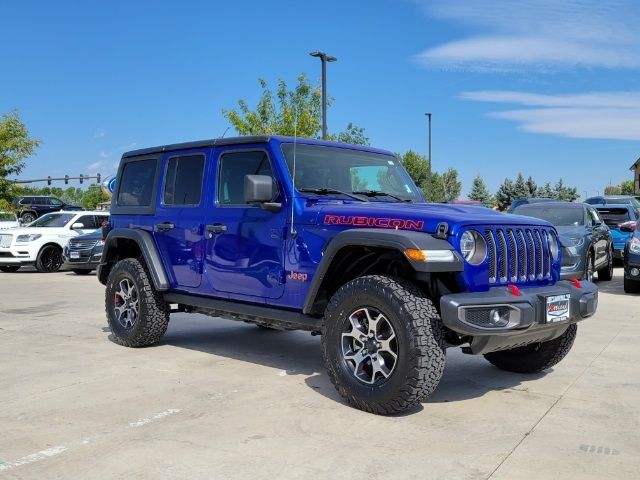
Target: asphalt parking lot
column 219, row 399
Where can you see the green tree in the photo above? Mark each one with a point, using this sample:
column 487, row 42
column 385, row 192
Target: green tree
column 520, row 188
column 15, row 147
column 480, row 192
column 288, row 112
column 627, row 187
column 612, row 190
column 546, row 191
column 451, row 185
column 93, row 196
column 505, row 194
column 418, row 167
column 563, row 193
column 532, row 187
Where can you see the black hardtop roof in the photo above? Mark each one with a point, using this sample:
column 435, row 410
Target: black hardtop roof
column 244, row 140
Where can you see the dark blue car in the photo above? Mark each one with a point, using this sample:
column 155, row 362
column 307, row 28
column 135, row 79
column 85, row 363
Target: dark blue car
column 632, row 260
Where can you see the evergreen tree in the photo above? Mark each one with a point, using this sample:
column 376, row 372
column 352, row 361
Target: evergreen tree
column 520, row 188
column 505, row 194
column 546, row 191
column 480, row 192
column 532, row 187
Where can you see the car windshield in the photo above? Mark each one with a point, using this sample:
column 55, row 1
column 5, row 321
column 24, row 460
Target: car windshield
column 7, row 217
column 332, row 169
column 614, row 216
column 53, row 220
column 558, row 216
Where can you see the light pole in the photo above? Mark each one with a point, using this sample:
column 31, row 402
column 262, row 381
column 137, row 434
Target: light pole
column 428, row 114
column 324, row 58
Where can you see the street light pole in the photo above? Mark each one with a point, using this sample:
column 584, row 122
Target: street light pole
column 429, row 166
column 324, row 58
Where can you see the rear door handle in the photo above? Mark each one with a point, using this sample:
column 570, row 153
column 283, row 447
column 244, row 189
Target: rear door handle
column 216, row 229
column 165, row 227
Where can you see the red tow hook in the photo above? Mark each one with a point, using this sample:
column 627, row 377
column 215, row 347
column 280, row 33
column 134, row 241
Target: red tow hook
column 576, row 283
column 515, row 291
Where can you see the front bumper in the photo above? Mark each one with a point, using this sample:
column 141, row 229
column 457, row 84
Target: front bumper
column 85, row 259
column 20, row 254
column 463, row 313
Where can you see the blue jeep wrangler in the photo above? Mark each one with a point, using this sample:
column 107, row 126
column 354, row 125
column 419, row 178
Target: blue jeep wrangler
column 337, row 240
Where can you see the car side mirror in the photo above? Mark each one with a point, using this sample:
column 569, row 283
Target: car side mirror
column 626, row 228
column 77, row 226
column 260, row 189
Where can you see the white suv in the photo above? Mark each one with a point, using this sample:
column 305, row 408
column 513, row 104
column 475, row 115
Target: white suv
column 41, row 242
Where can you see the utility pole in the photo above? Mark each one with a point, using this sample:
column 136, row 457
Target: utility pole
column 324, row 58
column 429, row 165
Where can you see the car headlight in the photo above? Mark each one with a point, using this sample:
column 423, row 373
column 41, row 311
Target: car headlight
column 99, row 243
column 28, row 238
column 473, row 247
column 572, row 242
column 553, row 246
column 634, row 245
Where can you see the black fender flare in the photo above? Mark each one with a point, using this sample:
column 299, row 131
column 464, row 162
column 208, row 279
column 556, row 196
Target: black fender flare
column 149, row 251
column 399, row 240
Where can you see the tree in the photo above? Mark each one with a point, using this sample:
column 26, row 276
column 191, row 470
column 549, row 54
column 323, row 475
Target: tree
column 627, row 187
column 450, row 185
column 532, row 187
column 567, row 194
column 480, row 192
column 288, row 112
column 15, row 147
column 546, row 191
column 612, row 190
column 520, row 188
column 505, row 194
column 93, row 196
column 418, row 167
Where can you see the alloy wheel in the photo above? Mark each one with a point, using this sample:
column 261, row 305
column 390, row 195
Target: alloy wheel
column 51, row 259
column 369, row 346
column 126, row 303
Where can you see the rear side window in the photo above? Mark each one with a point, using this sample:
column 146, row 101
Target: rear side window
column 233, row 167
column 183, row 181
column 614, row 216
column 136, row 183
column 87, row 221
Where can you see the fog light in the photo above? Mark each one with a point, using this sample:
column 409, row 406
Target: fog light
column 634, row 272
column 499, row 317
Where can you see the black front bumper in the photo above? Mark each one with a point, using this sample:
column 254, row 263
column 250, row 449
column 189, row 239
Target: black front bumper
column 528, row 316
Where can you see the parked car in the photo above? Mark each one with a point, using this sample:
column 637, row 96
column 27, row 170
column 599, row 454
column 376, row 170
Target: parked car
column 337, row 240
column 8, row 220
column 617, row 216
column 42, row 241
column 33, row 206
column 525, row 201
column 82, row 254
column 632, row 259
column 614, row 199
column 587, row 244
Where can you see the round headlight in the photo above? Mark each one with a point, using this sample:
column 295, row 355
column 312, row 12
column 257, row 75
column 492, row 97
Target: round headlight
column 553, row 246
column 473, row 247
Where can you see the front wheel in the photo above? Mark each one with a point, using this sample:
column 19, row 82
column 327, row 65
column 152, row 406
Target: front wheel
column 383, row 344
column 49, row 259
column 9, row 268
column 607, row 272
column 588, row 268
column 137, row 314
column 535, row 357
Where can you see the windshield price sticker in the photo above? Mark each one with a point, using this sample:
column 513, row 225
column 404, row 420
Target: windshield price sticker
column 558, row 308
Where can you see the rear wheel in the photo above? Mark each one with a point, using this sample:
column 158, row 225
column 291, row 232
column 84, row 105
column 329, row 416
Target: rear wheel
column 535, row 357
column 631, row 286
column 383, row 344
column 607, row 272
column 10, row 268
column 28, row 217
column 137, row 314
column 49, row 259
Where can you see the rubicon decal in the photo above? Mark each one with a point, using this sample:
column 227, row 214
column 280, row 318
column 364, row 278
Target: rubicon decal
column 357, row 221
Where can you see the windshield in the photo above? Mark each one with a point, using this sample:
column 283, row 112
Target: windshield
column 321, row 167
column 558, row 216
column 7, row 217
column 53, row 220
column 614, row 216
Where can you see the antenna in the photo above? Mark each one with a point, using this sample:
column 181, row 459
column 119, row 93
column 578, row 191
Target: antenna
column 293, row 232
column 224, row 133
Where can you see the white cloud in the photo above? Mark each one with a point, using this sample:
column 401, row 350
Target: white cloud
column 104, row 154
column 537, row 34
column 601, row 115
column 100, row 133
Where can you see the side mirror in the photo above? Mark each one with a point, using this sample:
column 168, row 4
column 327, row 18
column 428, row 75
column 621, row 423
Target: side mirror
column 260, row 189
column 626, row 227
column 77, row 226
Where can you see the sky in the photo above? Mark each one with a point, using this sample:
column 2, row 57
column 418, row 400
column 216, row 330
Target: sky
column 549, row 88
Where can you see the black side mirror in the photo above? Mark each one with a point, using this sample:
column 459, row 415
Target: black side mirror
column 627, row 228
column 260, row 189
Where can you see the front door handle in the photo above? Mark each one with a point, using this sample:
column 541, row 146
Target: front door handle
column 215, row 229
column 165, row 227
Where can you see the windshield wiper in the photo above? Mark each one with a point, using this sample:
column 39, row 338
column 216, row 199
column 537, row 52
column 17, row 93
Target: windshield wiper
column 379, row 193
column 329, row 191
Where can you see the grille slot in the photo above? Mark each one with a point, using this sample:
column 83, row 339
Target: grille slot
column 5, row 240
column 502, row 257
column 491, row 254
column 82, row 244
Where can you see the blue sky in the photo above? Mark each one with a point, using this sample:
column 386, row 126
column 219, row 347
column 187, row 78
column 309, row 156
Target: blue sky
column 550, row 88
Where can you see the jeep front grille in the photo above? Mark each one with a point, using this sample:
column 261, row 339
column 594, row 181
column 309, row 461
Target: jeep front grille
column 518, row 254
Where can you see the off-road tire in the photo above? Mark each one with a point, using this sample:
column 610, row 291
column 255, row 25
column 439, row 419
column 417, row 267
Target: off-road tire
column 535, row 357
column 49, row 259
column 631, row 286
column 420, row 344
column 606, row 273
column 9, row 268
column 153, row 318
column 81, row 271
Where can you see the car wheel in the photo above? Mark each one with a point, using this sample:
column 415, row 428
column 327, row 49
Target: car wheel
column 607, row 272
column 383, row 344
column 49, row 259
column 588, row 268
column 631, row 286
column 535, row 357
column 137, row 314
column 10, row 268
column 81, row 271
column 28, row 217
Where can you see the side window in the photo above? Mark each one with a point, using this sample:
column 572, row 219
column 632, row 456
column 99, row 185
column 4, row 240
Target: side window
column 183, row 181
column 88, row 221
column 233, row 167
column 100, row 219
column 55, row 202
column 136, row 183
